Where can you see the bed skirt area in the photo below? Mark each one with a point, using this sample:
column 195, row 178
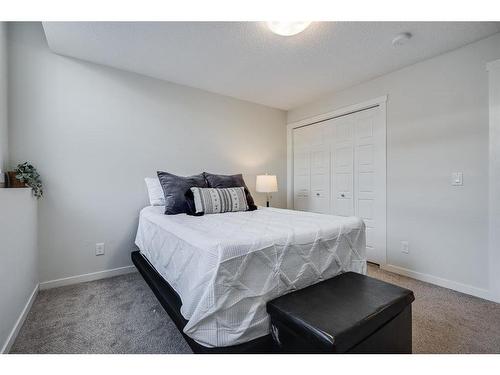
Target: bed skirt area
column 171, row 302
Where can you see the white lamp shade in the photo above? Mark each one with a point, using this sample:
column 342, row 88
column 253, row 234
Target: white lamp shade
column 266, row 184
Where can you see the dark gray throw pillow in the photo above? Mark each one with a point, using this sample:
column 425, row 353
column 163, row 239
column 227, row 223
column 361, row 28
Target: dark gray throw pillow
column 175, row 188
column 235, row 180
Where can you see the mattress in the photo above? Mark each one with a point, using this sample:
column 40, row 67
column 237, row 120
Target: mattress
column 226, row 267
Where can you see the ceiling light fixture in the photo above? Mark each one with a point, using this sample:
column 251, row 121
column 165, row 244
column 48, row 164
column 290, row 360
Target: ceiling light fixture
column 287, row 28
column 401, row 39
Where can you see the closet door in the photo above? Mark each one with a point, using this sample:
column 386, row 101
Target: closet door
column 320, row 169
column 342, row 166
column 301, row 169
column 339, row 168
column 369, row 180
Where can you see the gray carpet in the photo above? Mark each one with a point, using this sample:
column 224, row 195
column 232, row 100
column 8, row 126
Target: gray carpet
column 122, row 315
column 115, row 315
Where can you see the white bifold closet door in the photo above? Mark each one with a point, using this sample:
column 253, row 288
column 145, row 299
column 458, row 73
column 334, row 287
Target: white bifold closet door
column 311, row 160
column 339, row 168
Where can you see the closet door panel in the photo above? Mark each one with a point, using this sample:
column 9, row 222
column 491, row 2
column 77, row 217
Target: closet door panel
column 342, row 167
column 301, row 168
column 302, row 179
column 369, row 180
column 320, row 179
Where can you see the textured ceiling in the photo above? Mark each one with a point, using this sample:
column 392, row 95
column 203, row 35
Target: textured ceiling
column 245, row 60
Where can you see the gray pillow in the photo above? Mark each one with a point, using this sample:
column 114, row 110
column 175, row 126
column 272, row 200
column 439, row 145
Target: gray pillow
column 175, row 188
column 235, row 180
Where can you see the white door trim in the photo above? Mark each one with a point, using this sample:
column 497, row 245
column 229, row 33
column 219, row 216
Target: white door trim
column 493, row 69
column 338, row 112
column 380, row 101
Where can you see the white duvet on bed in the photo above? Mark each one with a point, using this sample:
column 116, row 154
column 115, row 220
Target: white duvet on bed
column 225, row 267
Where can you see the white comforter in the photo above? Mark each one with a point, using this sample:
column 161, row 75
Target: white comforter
column 225, row 267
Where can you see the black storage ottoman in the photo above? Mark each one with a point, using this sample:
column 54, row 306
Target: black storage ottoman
column 350, row 313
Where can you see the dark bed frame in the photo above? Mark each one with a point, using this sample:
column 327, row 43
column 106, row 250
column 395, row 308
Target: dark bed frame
column 171, row 302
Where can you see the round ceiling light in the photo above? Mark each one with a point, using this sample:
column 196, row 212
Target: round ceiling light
column 287, row 28
column 401, row 39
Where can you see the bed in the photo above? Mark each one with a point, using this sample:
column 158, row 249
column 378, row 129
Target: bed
column 224, row 268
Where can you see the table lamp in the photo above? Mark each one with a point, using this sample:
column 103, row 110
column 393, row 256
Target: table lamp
column 266, row 184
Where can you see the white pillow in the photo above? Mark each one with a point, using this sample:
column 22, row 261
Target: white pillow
column 155, row 191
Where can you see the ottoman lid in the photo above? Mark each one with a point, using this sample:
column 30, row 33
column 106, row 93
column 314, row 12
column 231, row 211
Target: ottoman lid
column 338, row 313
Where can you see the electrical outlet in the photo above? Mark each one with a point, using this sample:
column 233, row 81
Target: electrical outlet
column 99, row 248
column 405, row 247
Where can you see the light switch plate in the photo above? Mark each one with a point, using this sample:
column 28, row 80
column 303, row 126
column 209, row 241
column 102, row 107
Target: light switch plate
column 457, row 179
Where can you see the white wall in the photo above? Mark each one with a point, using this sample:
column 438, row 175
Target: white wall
column 18, row 233
column 95, row 132
column 18, row 259
column 437, row 123
column 3, row 97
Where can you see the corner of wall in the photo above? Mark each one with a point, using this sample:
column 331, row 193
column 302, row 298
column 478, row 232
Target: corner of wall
column 3, row 98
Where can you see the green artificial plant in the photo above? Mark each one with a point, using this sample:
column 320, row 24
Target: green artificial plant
column 28, row 174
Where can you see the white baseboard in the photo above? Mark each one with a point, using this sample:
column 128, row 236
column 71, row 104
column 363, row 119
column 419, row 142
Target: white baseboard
column 445, row 283
column 87, row 277
column 19, row 323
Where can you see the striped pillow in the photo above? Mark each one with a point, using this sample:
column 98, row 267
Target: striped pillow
column 215, row 201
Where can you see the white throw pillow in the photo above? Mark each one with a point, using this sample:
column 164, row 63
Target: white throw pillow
column 155, row 191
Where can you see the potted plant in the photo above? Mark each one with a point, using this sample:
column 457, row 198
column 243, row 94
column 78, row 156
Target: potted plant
column 26, row 175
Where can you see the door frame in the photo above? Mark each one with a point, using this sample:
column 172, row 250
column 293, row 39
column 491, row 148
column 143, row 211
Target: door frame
column 380, row 102
column 493, row 69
